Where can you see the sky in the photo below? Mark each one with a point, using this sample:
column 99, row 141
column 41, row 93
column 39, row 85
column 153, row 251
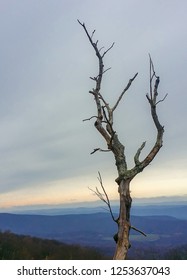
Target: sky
column 45, row 65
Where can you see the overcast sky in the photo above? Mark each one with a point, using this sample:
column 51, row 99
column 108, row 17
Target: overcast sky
column 45, row 65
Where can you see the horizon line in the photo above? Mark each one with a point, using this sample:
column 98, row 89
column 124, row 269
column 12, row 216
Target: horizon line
column 172, row 198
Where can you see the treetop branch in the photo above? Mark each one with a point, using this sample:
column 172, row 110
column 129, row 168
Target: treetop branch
column 152, row 98
column 96, row 91
column 96, row 43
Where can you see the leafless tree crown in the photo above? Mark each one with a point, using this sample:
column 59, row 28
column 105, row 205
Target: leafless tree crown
column 104, row 125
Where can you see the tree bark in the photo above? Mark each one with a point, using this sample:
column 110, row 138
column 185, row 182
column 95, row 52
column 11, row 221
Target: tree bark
column 123, row 221
column 123, row 181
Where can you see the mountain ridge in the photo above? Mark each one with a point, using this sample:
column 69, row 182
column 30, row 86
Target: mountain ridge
column 177, row 211
column 97, row 230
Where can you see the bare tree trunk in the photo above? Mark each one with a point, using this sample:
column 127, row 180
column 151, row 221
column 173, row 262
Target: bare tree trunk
column 104, row 125
column 123, row 181
column 123, row 221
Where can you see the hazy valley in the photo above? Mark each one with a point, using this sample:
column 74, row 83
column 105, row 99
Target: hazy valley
column 165, row 227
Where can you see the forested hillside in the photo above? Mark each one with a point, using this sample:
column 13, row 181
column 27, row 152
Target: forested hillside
column 22, row 247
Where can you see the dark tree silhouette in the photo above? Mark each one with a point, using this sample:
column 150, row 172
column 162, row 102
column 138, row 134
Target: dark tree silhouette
column 104, row 125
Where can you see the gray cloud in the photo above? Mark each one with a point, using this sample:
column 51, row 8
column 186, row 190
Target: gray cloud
column 46, row 62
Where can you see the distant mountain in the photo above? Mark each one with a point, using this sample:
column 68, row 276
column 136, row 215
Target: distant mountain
column 81, row 229
column 177, row 211
column 97, row 230
column 93, row 206
column 162, row 200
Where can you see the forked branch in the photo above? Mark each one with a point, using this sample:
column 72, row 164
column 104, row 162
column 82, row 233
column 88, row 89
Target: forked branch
column 152, row 99
column 103, row 196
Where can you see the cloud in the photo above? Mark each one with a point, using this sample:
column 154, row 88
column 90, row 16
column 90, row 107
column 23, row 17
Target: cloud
column 46, row 62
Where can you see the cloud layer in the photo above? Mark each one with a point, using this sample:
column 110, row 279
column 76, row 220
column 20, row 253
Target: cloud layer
column 46, row 62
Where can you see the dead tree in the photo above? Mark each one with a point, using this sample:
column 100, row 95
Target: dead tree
column 104, row 125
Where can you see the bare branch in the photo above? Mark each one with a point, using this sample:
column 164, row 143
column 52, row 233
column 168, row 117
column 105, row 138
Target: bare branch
column 152, row 75
column 138, row 231
column 97, row 193
column 152, row 99
column 108, row 49
column 137, row 155
column 93, row 78
column 93, row 33
column 123, row 92
column 101, row 49
column 107, row 201
column 89, row 118
column 88, row 35
column 96, row 78
column 100, row 150
column 95, row 150
column 162, row 99
column 109, row 121
column 103, row 196
column 96, row 91
column 106, row 104
column 152, row 69
column 106, row 70
column 92, row 92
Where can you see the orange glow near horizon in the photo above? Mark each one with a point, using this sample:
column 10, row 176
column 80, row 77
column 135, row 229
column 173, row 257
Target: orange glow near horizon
column 64, row 191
